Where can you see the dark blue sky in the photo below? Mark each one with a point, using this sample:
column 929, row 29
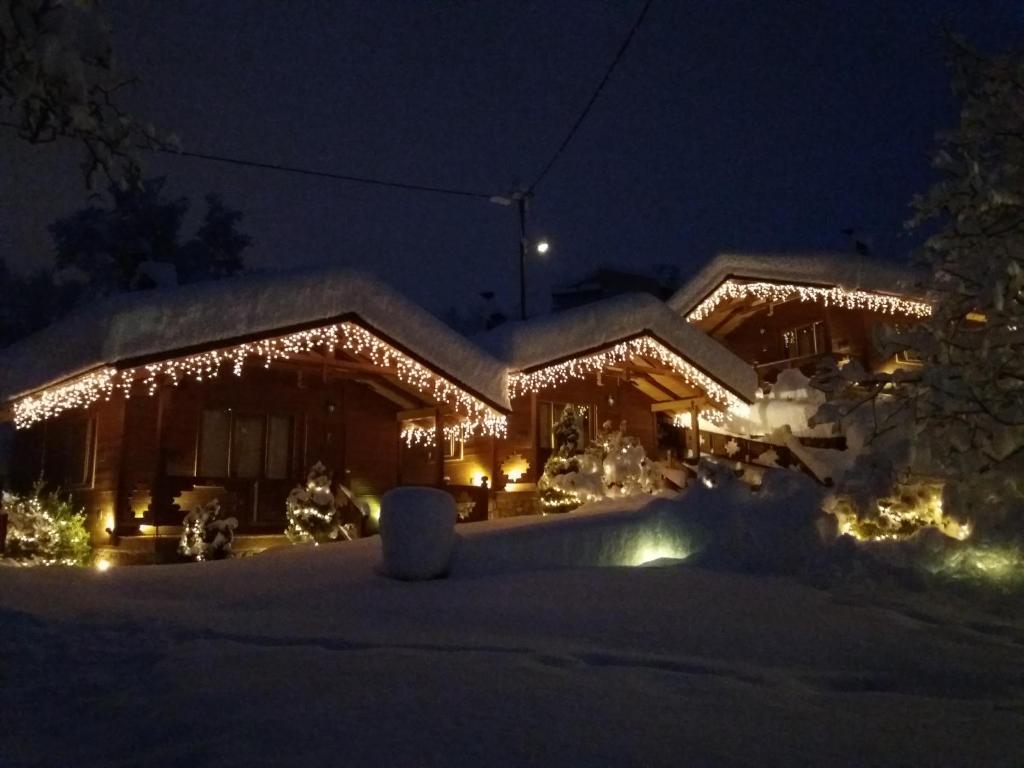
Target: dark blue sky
column 757, row 125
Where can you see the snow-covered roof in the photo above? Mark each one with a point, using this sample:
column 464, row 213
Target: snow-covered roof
column 151, row 325
column 532, row 344
column 843, row 270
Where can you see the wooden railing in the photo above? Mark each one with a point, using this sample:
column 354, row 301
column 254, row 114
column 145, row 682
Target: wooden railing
column 748, row 451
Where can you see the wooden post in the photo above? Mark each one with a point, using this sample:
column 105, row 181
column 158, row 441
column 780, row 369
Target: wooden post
column 439, row 443
column 695, row 429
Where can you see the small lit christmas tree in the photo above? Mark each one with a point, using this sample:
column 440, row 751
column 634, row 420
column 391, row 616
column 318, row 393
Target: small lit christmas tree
column 313, row 513
column 206, row 535
column 45, row 529
column 556, row 494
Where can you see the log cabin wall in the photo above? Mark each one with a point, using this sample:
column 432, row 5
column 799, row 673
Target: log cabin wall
column 131, row 446
column 78, row 452
column 760, row 339
column 352, row 430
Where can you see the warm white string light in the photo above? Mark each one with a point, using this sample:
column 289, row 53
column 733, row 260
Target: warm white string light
column 643, row 346
column 777, row 293
column 92, row 387
column 414, row 434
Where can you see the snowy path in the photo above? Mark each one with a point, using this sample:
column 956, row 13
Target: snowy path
column 306, row 657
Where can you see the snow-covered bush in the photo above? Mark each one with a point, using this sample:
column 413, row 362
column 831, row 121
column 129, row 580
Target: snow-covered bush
column 417, row 532
column 45, row 529
column 312, row 510
column 778, row 527
column 906, row 509
column 205, row 534
column 614, row 465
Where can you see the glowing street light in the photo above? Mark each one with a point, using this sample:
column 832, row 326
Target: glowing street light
column 543, row 246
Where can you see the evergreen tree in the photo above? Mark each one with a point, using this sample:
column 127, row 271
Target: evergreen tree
column 313, row 514
column 118, row 248
column 968, row 401
column 554, row 495
column 958, row 417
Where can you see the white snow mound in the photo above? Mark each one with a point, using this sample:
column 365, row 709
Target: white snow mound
column 417, row 532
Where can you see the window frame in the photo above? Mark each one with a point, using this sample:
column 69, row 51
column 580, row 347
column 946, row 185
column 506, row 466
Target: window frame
column 264, row 445
column 824, row 348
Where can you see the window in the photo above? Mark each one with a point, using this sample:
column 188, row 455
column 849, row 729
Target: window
column 454, row 442
column 805, row 340
column 214, row 439
column 549, row 416
column 70, row 448
column 246, row 446
column 279, row 447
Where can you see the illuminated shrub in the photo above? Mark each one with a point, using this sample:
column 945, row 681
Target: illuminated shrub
column 614, row 465
column 206, row 535
column 44, row 529
column 312, row 510
column 908, row 509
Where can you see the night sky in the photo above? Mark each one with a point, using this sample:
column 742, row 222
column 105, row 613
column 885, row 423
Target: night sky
column 728, row 125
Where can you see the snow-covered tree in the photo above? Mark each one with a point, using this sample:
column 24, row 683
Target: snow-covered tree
column 44, row 528
column 205, row 534
column 312, row 510
column 959, row 415
column 969, row 400
column 555, row 495
column 33, row 301
column 58, row 79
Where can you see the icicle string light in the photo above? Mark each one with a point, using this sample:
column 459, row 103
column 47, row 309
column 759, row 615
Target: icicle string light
column 777, row 293
column 90, row 388
column 418, row 434
column 645, row 346
column 414, row 434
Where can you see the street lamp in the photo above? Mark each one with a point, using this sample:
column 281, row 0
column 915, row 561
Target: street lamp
column 521, row 198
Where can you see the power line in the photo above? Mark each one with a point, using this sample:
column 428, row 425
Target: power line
column 326, row 174
column 306, row 171
column 593, row 98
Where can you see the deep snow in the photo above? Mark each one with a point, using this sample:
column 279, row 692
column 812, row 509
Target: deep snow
column 525, row 655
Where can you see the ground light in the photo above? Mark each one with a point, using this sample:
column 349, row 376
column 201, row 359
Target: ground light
column 103, row 565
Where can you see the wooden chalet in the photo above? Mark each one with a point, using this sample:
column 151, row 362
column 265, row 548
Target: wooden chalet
column 779, row 311
column 626, row 359
column 791, row 311
column 149, row 405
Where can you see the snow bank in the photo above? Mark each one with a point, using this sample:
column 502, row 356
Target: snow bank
column 607, row 533
column 719, row 522
column 417, row 532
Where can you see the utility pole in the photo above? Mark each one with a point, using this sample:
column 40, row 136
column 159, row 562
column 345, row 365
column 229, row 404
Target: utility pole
column 521, row 202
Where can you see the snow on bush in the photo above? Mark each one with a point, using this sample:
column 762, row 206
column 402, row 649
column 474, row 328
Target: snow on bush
column 45, row 529
column 614, row 465
column 206, row 535
column 312, row 510
column 417, row 532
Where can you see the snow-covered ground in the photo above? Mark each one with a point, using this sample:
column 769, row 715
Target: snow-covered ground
column 524, row 655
